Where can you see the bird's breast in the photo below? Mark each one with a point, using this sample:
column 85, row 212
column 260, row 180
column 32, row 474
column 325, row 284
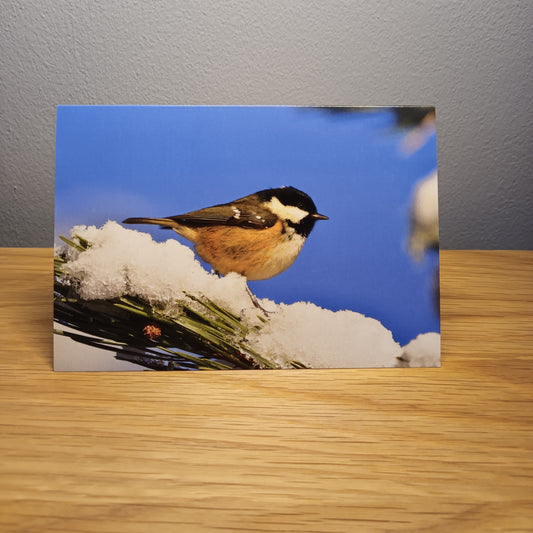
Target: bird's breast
column 256, row 254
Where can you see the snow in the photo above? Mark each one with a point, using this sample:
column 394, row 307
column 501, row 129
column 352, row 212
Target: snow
column 122, row 262
column 422, row 351
column 424, row 216
column 325, row 339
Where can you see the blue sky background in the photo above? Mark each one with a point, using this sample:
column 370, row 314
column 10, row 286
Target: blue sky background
column 115, row 162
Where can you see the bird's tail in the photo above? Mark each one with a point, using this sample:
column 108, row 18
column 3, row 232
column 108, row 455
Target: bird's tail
column 165, row 223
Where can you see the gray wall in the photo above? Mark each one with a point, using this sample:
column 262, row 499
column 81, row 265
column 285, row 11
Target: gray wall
column 471, row 58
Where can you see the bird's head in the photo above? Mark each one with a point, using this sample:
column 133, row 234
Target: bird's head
column 293, row 206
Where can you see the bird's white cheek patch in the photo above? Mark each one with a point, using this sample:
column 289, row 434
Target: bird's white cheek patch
column 286, row 212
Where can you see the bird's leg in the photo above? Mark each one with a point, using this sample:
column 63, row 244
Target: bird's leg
column 252, row 296
column 256, row 302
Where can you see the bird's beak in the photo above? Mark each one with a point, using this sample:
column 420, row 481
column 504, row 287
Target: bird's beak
column 318, row 216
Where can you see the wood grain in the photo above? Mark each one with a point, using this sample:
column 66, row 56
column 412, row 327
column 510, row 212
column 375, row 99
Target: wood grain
column 422, row 450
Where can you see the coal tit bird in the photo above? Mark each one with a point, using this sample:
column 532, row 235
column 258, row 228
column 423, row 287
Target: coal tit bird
column 258, row 236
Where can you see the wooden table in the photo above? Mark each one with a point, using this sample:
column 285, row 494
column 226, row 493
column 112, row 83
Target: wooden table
column 426, row 450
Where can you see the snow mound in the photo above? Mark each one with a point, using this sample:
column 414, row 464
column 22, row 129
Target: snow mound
column 321, row 338
column 121, row 262
column 422, row 351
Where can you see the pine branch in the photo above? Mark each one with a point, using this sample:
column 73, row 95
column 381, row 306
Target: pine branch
column 202, row 336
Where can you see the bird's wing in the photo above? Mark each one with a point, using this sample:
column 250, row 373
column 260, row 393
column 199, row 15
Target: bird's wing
column 232, row 214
